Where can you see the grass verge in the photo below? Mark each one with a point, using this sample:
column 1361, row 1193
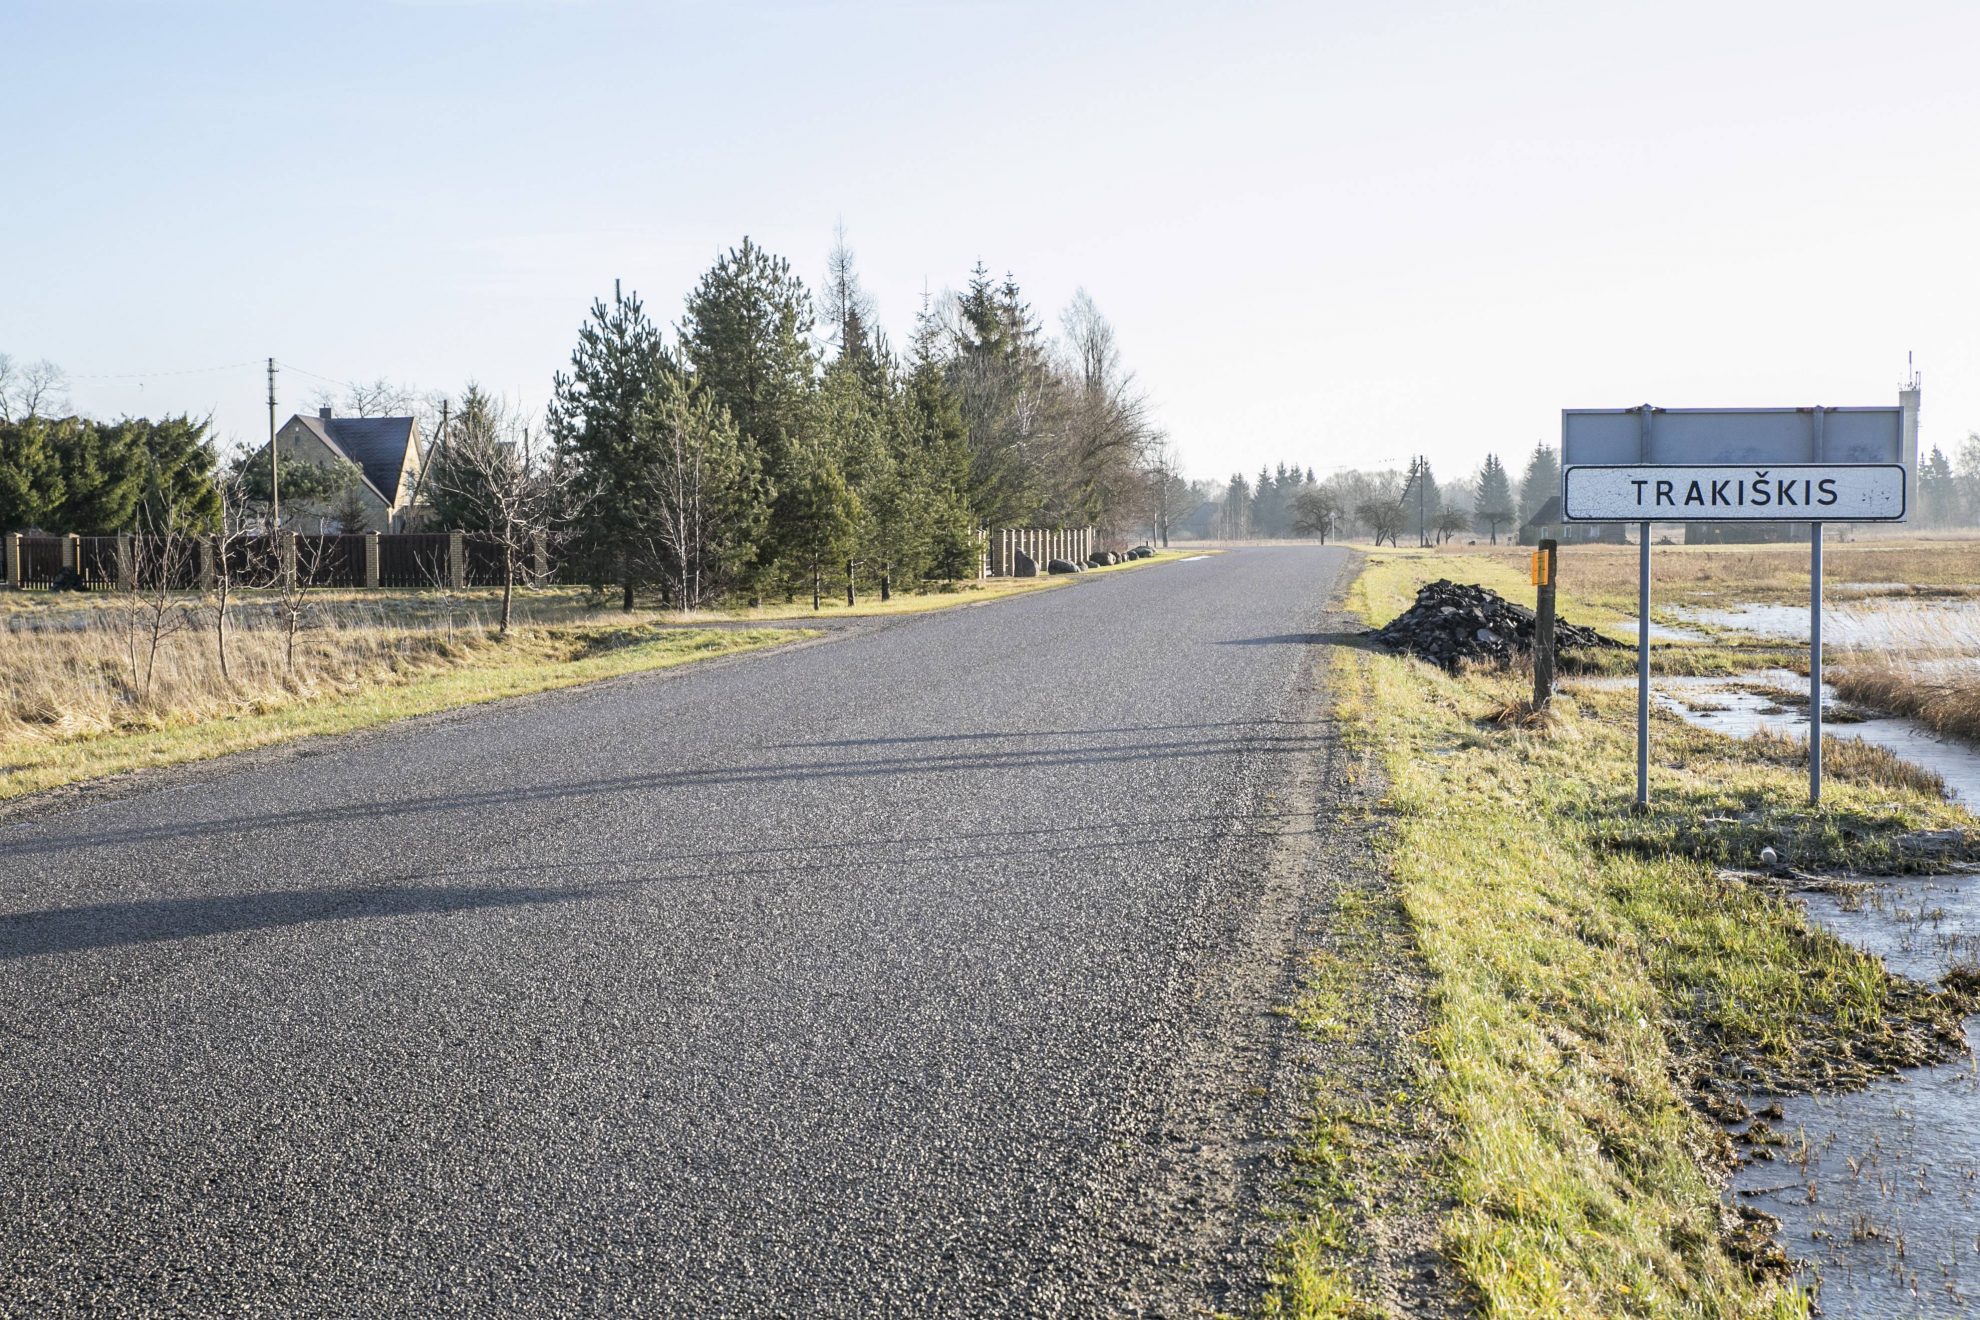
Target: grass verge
column 935, row 597
column 1603, row 989
column 530, row 660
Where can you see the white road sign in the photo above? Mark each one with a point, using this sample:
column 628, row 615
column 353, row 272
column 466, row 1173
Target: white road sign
column 1795, row 492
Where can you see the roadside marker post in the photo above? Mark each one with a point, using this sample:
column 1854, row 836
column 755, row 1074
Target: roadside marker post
column 1814, row 465
column 1545, row 563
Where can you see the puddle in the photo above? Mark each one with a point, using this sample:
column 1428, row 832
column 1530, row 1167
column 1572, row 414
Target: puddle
column 1860, row 623
column 1722, row 704
column 1882, row 1202
column 1659, row 632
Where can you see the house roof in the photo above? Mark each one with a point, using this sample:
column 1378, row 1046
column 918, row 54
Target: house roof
column 1545, row 516
column 378, row 445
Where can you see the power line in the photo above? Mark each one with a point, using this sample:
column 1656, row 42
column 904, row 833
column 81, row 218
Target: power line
column 327, row 380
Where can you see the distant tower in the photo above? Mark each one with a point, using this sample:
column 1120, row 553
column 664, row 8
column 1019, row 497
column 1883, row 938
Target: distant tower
column 1908, row 429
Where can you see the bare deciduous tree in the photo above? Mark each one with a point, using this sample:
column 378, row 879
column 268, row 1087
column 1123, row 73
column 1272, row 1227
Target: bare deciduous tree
column 31, row 389
column 507, row 493
column 161, row 553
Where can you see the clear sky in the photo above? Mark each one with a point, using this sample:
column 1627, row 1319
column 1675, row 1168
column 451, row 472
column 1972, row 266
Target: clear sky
column 1330, row 233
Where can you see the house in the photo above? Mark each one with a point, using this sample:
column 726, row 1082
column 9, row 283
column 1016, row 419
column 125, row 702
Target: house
column 1546, row 522
column 387, row 452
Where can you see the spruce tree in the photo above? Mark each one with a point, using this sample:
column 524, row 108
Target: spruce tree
column 620, row 363
column 1493, row 508
column 1542, row 482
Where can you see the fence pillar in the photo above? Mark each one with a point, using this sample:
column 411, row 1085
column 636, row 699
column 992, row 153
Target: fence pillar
column 126, row 562
column 13, row 559
column 285, row 548
column 72, row 553
column 371, row 560
column 457, row 560
column 207, row 574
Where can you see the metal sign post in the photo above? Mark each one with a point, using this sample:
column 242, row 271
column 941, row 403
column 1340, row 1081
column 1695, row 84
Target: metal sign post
column 1815, row 664
column 1812, row 465
column 1643, row 670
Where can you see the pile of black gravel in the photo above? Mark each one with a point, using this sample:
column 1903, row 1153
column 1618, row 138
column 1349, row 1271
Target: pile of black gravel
column 1452, row 622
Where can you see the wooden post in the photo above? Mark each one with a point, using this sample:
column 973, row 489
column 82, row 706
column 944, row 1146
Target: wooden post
column 1545, row 560
column 372, row 570
column 457, row 560
column 851, row 600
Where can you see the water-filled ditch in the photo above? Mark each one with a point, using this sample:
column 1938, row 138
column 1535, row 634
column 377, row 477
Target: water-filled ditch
column 1878, row 1190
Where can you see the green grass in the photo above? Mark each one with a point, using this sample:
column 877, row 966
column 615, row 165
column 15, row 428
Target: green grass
column 1598, row 984
column 532, row 660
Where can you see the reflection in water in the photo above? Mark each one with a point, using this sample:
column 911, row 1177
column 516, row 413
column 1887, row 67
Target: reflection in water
column 1860, row 623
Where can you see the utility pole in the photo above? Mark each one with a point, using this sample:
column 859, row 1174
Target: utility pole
column 1422, row 529
column 274, row 459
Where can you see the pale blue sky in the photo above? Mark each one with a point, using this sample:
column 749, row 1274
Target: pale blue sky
column 1330, row 233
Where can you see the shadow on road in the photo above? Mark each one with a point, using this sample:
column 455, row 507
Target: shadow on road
column 1089, row 749
column 144, row 921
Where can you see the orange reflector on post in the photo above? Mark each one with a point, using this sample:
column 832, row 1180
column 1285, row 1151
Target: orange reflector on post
column 1539, row 568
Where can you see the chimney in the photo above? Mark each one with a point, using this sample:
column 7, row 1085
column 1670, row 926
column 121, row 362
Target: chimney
column 324, row 412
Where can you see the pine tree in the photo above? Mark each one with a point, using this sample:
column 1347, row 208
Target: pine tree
column 1494, row 505
column 820, row 513
column 747, row 336
column 1542, row 482
column 619, row 365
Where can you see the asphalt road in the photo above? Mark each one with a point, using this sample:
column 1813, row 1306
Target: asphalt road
column 907, row 972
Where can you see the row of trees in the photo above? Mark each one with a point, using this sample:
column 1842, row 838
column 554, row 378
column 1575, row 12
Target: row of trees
column 73, row 474
column 1949, row 486
column 773, row 442
column 1384, row 505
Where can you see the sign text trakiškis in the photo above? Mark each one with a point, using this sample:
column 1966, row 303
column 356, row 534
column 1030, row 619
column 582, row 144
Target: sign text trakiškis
column 1830, row 492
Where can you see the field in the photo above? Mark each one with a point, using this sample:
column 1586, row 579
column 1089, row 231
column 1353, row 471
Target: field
column 99, row 684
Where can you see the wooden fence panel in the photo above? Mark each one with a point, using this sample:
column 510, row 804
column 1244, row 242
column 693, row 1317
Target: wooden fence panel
column 41, row 560
column 413, row 560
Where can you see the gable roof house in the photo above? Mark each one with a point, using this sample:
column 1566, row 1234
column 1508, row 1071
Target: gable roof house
column 386, row 451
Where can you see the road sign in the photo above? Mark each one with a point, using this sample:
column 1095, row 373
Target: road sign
column 1802, row 492
column 1713, row 436
column 1814, row 465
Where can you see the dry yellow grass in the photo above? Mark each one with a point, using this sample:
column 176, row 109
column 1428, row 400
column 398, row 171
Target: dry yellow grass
column 1605, row 575
column 74, row 668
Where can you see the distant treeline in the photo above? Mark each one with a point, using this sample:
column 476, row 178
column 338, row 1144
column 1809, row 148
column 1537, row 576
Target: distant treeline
column 1949, row 486
column 1380, row 505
